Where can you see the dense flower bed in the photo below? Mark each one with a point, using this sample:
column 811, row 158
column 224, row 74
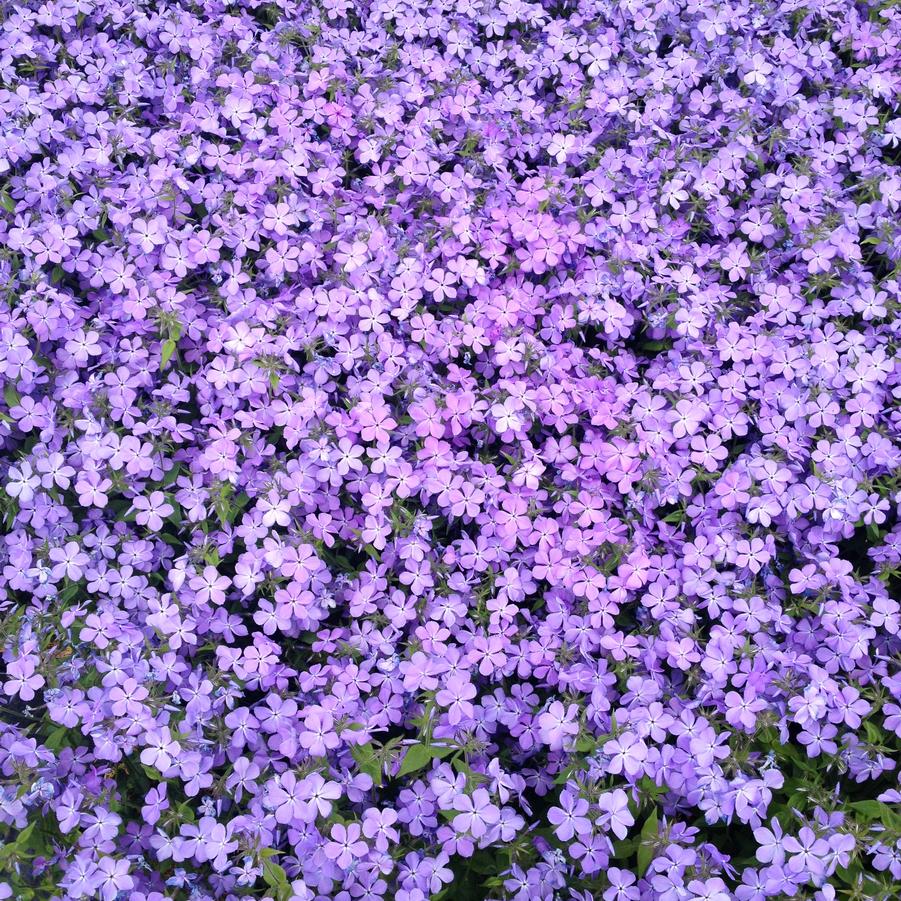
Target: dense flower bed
column 450, row 450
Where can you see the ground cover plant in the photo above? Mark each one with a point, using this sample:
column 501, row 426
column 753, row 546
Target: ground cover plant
column 450, row 450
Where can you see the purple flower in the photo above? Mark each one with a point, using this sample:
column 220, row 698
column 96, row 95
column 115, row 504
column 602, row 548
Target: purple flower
column 615, row 814
column 477, row 813
column 421, row 425
column 626, row 754
column 557, row 725
column 345, row 845
column 112, row 877
column 569, row 818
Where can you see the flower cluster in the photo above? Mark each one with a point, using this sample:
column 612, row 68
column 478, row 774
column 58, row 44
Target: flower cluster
column 450, row 450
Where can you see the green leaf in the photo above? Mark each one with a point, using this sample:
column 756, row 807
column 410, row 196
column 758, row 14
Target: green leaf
column 648, row 840
column 175, row 516
column 651, row 789
column 850, row 874
column 7, row 202
column 419, row 756
column 367, row 761
column 10, row 395
column 23, row 837
column 171, row 476
column 565, row 775
column 277, row 879
column 624, row 849
column 415, row 759
column 68, row 593
column 649, row 830
column 13, row 849
column 876, row 810
column 237, row 505
column 473, row 779
column 167, row 351
column 186, row 812
column 274, row 874
column 874, row 733
column 870, row 809
column 55, row 740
